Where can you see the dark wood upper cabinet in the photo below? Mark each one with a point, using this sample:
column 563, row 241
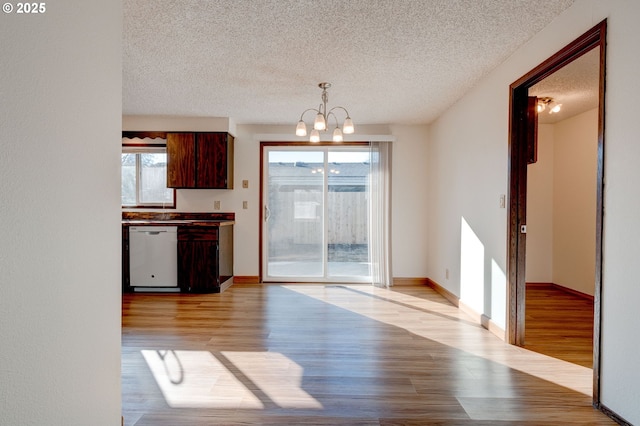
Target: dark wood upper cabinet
column 200, row 160
column 214, row 160
column 181, row 165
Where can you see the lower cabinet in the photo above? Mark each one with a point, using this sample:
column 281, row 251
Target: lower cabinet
column 199, row 259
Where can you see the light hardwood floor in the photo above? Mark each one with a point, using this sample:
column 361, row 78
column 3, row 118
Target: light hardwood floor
column 334, row 355
column 559, row 324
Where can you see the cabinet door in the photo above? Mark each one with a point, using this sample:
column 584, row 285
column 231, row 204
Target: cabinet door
column 197, row 266
column 213, row 160
column 181, row 164
column 198, row 260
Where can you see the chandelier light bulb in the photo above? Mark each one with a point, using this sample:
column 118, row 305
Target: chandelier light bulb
column 556, row 108
column 347, row 127
column 337, row 135
column 301, row 129
column 320, row 123
column 315, row 136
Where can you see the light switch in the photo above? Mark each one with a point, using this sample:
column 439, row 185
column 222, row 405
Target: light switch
column 245, row 183
column 245, row 205
column 216, row 205
column 503, row 201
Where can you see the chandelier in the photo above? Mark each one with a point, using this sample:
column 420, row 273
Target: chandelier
column 321, row 122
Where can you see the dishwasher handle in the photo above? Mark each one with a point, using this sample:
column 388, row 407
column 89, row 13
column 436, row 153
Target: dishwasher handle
column 153, row 230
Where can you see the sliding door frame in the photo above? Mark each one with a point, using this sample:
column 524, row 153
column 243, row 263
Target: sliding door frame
column 261, row 216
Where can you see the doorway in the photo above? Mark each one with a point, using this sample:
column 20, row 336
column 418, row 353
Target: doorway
column 315, row 225
column 521, row 152
column 561, row 213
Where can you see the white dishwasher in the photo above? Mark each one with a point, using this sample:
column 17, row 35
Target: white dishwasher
column 153, row 257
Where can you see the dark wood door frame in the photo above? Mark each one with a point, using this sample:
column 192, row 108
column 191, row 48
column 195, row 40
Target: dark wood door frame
column 595, row 38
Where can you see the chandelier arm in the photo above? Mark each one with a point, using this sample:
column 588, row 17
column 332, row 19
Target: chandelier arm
column 339, row 107
column 307, row 110
column 334, row 117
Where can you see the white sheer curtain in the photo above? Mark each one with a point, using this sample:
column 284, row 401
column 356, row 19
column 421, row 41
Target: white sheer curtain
column 380, row 214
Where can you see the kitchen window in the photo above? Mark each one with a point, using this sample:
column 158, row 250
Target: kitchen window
column 144, row 177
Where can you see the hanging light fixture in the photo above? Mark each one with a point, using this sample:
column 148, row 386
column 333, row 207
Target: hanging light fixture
column 545, row 102
column 321, row 121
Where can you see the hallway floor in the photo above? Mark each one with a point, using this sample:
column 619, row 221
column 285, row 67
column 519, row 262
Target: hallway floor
column 334, row 355
column 559, row 324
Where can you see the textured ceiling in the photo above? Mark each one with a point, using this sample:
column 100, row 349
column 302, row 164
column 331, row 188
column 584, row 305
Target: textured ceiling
column 259, row 61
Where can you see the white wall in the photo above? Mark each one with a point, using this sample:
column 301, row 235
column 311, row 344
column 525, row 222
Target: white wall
column 469, row 148
column 574, row 202
column 410, row 208
column 467, row 175
column 60, row 215
column 620, row 370
column 409, row 200
column 539, row 266
column 561, row 204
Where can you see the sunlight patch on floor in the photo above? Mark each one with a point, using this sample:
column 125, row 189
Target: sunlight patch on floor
column 427, row 319
column 232, row 380
column 276, row 376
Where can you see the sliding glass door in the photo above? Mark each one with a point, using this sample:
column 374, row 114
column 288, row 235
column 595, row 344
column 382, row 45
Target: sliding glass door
column 316, row 214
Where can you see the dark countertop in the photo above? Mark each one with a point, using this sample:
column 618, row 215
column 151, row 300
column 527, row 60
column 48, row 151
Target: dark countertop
column 176, row 222
column 164, row 218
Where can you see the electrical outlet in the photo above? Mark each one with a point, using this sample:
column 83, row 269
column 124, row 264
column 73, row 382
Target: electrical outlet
column 245, row 183
column 216, row 205
column 503, row 201
column 245, row 205
column 446, row 273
